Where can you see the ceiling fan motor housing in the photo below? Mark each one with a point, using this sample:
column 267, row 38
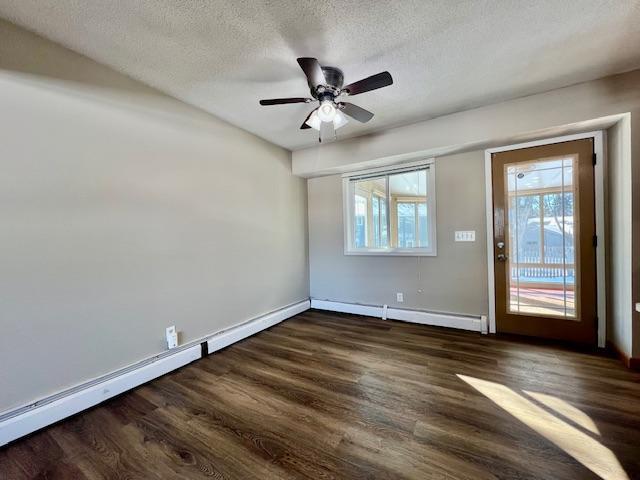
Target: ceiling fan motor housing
column 334, row 81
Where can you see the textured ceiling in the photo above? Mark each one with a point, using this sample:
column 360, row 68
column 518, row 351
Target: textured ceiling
column 445, row 56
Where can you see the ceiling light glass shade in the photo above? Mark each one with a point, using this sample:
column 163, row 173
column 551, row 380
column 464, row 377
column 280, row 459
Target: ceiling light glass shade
column 327, row 111
column 339, row 120
column 314, row 120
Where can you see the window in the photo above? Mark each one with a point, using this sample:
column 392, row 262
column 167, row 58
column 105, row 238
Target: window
column 391, row 211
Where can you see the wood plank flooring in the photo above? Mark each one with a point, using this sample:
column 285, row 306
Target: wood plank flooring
column 325, row 396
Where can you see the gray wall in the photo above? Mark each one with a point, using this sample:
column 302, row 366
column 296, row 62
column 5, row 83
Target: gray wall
column 124, row 211
column 553, row 113
column 583, row 107
column 453, row 281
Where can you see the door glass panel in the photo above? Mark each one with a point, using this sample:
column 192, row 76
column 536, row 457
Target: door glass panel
column 541, row 247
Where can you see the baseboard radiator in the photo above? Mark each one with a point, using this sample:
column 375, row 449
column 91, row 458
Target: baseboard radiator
column 29, row 418
column 475, row 323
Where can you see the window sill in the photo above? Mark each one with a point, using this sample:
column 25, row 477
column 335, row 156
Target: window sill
column 392, row 252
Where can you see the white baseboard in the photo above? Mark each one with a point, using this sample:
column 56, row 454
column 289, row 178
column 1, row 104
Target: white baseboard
column 355, row 308
column 474, row 323
column 244, row 330
column 28, row 419
column 41, row 416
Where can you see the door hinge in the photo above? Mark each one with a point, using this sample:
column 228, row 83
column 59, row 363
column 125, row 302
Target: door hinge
column 595, row 158
column 595, row 240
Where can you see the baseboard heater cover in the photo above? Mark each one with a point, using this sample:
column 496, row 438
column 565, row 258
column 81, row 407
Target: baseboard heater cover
column 475, row 323
column 244, row 330
column 25, row 420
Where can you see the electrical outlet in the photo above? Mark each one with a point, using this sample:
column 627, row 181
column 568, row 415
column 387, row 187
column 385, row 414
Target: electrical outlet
column 465, row 236
column 399, row 297
column 172, row 337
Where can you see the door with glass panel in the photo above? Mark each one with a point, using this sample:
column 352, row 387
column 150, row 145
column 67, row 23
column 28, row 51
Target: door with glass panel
column 544, row 245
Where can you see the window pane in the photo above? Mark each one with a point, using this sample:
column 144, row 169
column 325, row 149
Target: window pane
column 406, row 225
column 379, row 221
column 370, row 213
column 360, row 217
column 376, row 220
column 409, row 222
column 423, row 225
column 384, row 236
column 524, row 214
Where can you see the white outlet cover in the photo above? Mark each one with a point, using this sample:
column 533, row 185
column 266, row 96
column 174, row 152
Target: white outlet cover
column 172, row 337
column 399, row 297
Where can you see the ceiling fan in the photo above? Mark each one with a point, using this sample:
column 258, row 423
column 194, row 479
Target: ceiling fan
column 325, row 85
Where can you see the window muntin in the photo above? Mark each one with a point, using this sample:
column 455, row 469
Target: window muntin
column 391, row 211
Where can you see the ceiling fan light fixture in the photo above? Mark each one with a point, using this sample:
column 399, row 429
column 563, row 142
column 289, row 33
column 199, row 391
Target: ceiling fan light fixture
column 327, row 111
column 314, row 121
column 340, row 120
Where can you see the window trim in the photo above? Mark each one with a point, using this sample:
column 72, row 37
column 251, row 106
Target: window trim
column 348, row 208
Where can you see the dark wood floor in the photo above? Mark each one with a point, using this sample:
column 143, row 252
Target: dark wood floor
column 325, row 396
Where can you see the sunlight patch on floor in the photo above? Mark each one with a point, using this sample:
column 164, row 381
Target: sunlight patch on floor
column 581, row 446
column 566, row 410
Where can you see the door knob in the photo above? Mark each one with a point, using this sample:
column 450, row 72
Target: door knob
column 500, row 245
column 502, row 257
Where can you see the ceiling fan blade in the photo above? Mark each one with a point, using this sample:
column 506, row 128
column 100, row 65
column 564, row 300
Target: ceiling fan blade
column 327, row 132
column 356, row 112
column 304, row 125
column 282, row 101
column 312, row 70
column 370, row 83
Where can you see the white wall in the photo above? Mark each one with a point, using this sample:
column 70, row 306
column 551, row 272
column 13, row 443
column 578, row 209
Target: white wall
column 583, row 107
column 124, row 211
column 454, row 281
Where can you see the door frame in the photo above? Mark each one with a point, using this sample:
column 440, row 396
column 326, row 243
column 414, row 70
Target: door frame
column 599, row 139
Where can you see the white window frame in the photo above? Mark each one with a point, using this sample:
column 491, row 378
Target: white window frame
column 348, row 210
